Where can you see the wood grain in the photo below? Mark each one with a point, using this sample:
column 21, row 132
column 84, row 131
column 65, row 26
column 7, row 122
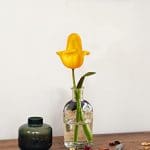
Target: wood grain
column 131, row 141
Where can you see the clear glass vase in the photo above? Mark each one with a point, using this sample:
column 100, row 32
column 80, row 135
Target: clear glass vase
column 78, row 121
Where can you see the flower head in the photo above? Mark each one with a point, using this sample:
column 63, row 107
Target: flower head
column 73, row 56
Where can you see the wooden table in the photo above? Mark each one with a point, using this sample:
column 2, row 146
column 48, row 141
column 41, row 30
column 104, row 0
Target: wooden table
column 131, row 141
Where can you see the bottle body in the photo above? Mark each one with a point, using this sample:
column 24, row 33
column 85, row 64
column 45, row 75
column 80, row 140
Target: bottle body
column 35, row 137
column 76, row 131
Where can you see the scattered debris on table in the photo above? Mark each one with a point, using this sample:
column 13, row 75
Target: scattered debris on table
column 119, row 147
column 145, row 145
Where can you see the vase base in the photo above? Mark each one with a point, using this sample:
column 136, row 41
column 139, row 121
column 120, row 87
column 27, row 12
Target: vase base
column 77, row 145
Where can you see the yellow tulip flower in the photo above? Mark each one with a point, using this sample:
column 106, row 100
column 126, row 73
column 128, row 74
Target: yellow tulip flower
column 73, row 56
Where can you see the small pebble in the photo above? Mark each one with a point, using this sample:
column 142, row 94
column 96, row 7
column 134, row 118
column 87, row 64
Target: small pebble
column 145, row 143
column 119, row 147
column 114, row 143
column 146, row 148
column 117, row 142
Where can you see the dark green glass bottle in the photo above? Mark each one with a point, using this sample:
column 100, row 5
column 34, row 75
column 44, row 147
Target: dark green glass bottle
column 35, row 135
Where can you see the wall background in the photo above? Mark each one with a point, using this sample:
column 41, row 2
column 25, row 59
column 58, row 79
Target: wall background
column 34, row 82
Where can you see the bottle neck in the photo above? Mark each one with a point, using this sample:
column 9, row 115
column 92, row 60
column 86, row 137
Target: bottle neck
column 77, row 94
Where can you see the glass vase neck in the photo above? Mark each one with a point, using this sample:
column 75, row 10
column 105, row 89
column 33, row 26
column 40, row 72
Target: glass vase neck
column 77, row 94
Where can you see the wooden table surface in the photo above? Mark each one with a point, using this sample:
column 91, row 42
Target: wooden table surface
column 131, row 141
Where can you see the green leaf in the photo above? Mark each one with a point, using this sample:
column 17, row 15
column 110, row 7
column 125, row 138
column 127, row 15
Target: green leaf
column 80, row 83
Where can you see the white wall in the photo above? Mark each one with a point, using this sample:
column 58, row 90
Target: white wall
column 34, row 82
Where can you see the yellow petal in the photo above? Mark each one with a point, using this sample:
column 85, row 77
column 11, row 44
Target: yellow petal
column 74, row 42
column 71, row 60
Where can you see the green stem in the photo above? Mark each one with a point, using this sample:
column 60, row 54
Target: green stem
column 78, row 108
column 86, row 128
column 79, row 114
column 73, row 77
column 80, row 117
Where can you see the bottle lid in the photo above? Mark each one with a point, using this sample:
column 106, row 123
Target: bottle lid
column 35, row 121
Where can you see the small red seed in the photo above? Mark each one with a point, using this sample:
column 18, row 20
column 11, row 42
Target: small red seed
column 87, row 148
